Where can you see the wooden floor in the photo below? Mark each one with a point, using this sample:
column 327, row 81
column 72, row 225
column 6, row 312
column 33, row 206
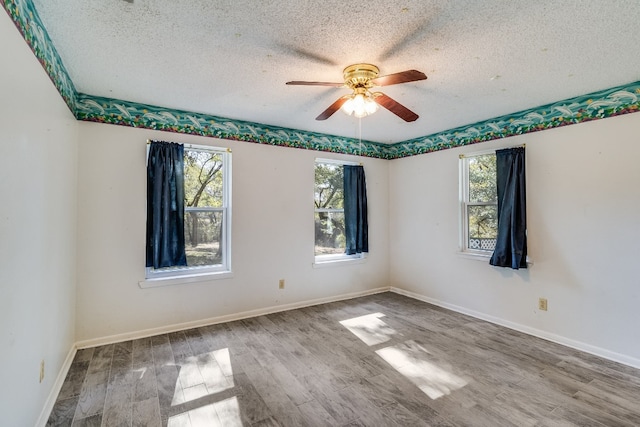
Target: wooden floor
column 381, row 360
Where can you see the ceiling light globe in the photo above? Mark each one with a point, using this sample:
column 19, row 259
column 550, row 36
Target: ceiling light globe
column 347, row 107
column 359, row 106
column 370, row 106
column 360, row 113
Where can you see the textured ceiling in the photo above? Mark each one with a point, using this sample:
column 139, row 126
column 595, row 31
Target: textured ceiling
column 231, row 58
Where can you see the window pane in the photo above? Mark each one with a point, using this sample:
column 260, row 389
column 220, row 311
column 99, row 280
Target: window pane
column 203, row 178
column 483, row 227
column 207, row 196
column 328, row 186
column 482, row 179
column 329, row 229
column 203, row 237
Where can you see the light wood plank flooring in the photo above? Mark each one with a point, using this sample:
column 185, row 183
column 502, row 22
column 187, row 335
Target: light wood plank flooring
column 381, row 360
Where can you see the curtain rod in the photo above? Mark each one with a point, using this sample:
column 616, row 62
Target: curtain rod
column 205, row 147
column 462, row 156
column 338, row 162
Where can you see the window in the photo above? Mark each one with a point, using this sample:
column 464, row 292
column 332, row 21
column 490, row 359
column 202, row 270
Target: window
column 478, row 203
column 330, row 239
column 207, row 215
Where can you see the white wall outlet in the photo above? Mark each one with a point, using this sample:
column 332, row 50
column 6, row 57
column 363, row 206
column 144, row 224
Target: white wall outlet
column 542, row 304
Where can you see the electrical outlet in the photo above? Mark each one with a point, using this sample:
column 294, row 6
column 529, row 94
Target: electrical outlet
column 281, row 284
column 41, row 370
column 542, row 304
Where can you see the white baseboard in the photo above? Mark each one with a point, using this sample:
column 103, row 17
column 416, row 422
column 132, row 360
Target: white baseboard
column 55, row 389
column 221, row 319
column 587, row 348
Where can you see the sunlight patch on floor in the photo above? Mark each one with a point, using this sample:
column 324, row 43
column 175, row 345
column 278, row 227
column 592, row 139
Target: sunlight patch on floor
column 228, row 411
column 179, row 420
column 203, row 375
column 223, row 357
column 225, row 413
column 413, row 361
column 369, row 328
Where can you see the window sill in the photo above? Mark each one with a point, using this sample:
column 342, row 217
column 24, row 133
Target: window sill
column 339, row 261
column 180, row 280
column 483, row 257
column 474, row 255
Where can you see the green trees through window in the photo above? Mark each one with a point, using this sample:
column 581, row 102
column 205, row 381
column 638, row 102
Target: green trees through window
column 329, row 209
column 204, row 202
column 480, row 206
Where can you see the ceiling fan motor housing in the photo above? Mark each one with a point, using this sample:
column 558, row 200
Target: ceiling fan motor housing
column 360, row 75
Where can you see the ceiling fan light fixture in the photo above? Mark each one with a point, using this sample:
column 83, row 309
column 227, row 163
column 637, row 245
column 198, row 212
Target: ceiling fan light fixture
column 360, row 105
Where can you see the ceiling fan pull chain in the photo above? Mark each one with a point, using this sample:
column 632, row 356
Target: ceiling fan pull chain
column 360, row 135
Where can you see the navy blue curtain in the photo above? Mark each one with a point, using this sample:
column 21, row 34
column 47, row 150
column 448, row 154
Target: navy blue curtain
column 511, row 244
column 165, row 205
column 355, row 210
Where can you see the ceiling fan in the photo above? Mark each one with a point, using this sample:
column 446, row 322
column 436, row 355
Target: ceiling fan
column 361, row 102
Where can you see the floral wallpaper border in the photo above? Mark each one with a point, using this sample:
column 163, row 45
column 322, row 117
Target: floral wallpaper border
column 126, row 113
column 598, row 105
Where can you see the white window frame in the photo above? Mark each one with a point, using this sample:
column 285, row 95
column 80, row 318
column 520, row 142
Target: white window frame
column 169, row 276
column 465, row 203
column 332, row 259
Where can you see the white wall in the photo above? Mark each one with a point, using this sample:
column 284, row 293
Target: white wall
column 37, row 230
column 272, row 236
column 60, row 179
column 583, row 213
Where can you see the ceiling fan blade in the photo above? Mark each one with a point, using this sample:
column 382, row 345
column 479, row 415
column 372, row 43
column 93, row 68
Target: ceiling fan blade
column 333, row 108
column 395, row 107
column 301, row 83
column 402, row 77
